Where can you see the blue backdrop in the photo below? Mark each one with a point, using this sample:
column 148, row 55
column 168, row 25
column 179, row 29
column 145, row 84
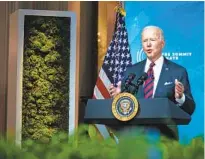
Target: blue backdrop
column 183, row 26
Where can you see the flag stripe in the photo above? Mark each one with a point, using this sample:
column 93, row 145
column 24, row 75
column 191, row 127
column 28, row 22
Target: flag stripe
column 97, row 93
column 103, row 129
column 104, row 78
column 102, row 88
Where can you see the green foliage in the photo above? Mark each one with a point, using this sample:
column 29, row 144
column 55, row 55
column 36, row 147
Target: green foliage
column 80, row 146
column 193, row 150
column 45, row 77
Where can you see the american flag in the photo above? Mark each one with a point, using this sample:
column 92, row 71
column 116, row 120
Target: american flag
column 116, row 61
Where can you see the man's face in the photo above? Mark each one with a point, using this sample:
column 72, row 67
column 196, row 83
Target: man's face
column 152, row 43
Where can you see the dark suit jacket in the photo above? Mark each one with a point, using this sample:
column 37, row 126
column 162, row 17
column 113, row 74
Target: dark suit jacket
column 170, row 71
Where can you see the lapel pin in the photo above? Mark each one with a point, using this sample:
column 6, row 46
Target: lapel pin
column 166, row 68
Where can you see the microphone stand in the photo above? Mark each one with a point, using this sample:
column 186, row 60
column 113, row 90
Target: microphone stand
column 131, row 87
column 136, row 86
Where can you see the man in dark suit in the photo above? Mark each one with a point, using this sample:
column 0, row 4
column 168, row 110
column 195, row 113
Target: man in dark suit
column 165, row 78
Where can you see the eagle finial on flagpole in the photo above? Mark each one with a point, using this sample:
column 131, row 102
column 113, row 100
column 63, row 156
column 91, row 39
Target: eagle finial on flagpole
column 120, row 9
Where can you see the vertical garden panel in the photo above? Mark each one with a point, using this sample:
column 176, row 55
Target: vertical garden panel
column 41, row 77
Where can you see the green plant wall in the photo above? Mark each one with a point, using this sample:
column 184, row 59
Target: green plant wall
column 45, row 76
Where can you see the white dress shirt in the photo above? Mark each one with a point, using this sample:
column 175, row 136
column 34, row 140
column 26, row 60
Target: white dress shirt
column 157, row 68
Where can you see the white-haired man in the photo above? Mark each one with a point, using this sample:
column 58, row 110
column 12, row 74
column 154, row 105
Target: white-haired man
column 165, row 78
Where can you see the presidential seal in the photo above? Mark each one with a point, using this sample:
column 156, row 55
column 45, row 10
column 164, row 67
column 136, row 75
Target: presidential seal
column 125, row 106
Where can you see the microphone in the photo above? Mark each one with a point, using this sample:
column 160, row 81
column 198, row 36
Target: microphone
column 129, row 79
column 128, row 82
column 132, row 87
column 142, row 78
column 139, row 82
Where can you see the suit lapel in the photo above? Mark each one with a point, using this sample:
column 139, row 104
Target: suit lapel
column 162, row 79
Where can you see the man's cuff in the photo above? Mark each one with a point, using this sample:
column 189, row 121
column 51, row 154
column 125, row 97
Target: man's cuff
column 181, row 100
